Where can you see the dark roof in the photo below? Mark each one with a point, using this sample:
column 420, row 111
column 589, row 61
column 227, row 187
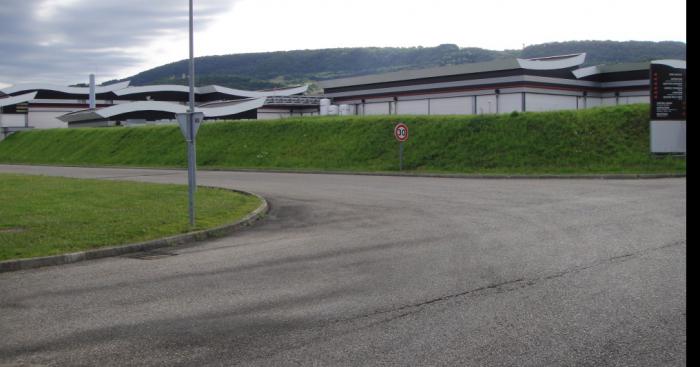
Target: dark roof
column 548, row 63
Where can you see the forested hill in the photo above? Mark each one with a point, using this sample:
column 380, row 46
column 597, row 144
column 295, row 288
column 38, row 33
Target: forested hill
column 610, row 52
column 284, row 68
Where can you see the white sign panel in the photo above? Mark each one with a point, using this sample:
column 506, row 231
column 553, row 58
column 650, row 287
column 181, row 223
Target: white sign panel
column 197, row 117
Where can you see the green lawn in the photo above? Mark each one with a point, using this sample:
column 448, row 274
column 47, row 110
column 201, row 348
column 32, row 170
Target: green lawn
column 42, row 215
column 597, row 140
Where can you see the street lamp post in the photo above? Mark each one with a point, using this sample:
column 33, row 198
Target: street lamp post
column 191, row 151
column 189, row 124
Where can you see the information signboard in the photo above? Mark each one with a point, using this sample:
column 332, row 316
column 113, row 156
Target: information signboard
column 668, row 92
column 667, row 95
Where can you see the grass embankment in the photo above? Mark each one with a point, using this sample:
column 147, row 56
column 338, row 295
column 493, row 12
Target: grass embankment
column 599, row 140
column 42, row 216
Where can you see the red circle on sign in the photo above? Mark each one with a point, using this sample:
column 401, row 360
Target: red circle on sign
column 401, row 132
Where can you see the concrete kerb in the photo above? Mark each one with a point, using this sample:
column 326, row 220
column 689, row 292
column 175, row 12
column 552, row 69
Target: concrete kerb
column 610, row 176
column 182, row 239
column 573, row 176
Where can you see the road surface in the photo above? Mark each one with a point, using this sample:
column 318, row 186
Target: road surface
column 372, row 270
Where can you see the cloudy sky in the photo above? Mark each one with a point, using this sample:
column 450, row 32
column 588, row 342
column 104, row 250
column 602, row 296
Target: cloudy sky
column 63, row 41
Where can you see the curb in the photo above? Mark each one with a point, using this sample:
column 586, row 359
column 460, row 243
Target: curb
column 191, row 237
column 593, row 176
column 620, row 176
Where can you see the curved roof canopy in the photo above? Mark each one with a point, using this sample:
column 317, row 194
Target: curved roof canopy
column 122, row 91
column 553, row 62
column 160, row 109
column 30, row 87
column 17, row 99
column 208, row 89
column 612, row 68
column 678, row 64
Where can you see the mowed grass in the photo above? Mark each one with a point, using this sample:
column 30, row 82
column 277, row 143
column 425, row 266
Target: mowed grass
column 42, row 215
column 597, row 140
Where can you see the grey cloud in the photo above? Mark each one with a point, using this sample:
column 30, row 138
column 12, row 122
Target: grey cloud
column 61, row 47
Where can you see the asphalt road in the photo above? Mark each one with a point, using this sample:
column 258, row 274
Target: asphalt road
column 369, row 270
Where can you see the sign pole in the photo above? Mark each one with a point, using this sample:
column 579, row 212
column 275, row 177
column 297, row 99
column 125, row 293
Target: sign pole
column 189, row 125
column 401, row 134
column 191, row 152
column 191, row 169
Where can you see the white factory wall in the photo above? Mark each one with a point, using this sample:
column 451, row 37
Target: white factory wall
column 143, row 122
column 351, row 109
column 452, row 106
column 591, row 102
column 305, row 112
column 609, row 101
column 275, row 113
column 508, row 103
column 135, row 122
column 357, row 108
column 12, row 120
column 47, row 119
column 486, row 104
column 417, row 107
column 535, row 102
column 634, row 99
column 272, row 114
column 381, row 108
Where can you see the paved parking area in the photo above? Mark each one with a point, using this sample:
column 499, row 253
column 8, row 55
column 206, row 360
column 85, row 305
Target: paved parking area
column 374, row 270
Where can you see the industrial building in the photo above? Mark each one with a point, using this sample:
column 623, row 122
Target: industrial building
column 502, row 86
column 49, row 106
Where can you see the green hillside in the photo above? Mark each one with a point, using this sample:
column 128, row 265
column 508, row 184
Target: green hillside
column 283, row 68
column 599, row 140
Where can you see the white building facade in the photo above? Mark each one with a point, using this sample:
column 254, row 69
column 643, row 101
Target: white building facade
column 45, row 106
column 503, row 86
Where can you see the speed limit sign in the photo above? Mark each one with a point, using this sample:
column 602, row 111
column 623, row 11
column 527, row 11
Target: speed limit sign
column 401, row 132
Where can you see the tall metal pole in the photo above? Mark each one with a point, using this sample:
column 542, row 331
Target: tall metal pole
column 191, row 152
column 92, row 99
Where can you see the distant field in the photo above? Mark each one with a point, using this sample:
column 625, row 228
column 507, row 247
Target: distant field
column 41, row 216
column 598, row 140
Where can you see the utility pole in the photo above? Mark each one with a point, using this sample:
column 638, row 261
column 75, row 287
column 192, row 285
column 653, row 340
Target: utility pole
column 189, row 124
column 191, row 151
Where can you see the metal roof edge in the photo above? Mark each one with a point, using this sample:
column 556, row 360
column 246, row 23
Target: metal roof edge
column 206, row 89
column 17, row 99
column 494, row 65
column 610, row 68
column 678, row 64
column 63, row 89
column 171, row 107
column 553, row 62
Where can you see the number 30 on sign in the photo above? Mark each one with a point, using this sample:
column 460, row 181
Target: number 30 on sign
column 401, row 132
